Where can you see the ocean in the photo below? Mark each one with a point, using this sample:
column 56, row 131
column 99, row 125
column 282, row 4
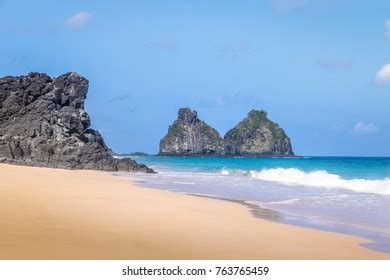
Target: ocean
column 341, row 194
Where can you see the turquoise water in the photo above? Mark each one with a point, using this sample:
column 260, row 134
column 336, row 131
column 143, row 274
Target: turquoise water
column 342, row 194
column 346, row 167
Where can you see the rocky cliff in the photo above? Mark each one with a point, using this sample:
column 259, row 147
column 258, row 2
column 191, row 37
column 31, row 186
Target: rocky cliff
column 256, row 135
column 43, row 123
column 188, row 135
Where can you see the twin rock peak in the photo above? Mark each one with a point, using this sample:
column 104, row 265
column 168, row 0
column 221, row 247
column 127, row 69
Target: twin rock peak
column 255, row 135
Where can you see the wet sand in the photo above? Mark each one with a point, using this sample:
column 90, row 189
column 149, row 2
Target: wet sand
column 62, row 214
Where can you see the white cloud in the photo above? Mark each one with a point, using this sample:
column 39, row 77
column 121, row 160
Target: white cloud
column 78, row 20
column 287, row 5
column 362, row 128
column 383, row 76
column 387, row 26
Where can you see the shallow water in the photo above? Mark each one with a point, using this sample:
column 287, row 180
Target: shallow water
column 347, row 195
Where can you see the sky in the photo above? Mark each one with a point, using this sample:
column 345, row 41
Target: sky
column 320, row 68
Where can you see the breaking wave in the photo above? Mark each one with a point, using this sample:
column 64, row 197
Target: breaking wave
column 321, row 178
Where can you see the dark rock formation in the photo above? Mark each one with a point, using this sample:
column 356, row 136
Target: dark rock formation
column 256, row 135
column 43, row 123
column 190, row 136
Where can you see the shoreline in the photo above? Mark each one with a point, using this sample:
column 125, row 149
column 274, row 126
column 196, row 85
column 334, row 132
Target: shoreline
column 64, row 214
column 255, row 210
column 375, row 242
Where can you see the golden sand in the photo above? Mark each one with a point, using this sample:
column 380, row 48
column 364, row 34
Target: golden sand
column 61, row 214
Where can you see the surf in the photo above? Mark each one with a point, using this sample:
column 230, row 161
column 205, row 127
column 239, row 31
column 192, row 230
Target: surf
column 320, row 178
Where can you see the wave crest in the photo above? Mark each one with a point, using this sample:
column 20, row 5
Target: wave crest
column 321, row 178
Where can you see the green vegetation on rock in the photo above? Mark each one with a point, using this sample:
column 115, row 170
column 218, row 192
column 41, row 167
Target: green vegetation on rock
column 255, row 135
column 259, row 136
column 190, row 136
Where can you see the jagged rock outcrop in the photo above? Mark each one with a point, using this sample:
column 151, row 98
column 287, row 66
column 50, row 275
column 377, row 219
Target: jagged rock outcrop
column 256, row 135
column 43, row 123
column 188, row 135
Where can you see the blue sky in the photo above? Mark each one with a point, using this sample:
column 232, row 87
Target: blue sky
column 320, row 68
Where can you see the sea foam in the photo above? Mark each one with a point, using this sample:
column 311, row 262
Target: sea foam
column 321, row 178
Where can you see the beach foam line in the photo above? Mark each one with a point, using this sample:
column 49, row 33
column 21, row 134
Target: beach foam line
column 320, row 178
column 183, row 183
column 287, row 201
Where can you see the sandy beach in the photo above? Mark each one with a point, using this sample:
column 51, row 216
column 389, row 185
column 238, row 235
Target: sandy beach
column 63, row 214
